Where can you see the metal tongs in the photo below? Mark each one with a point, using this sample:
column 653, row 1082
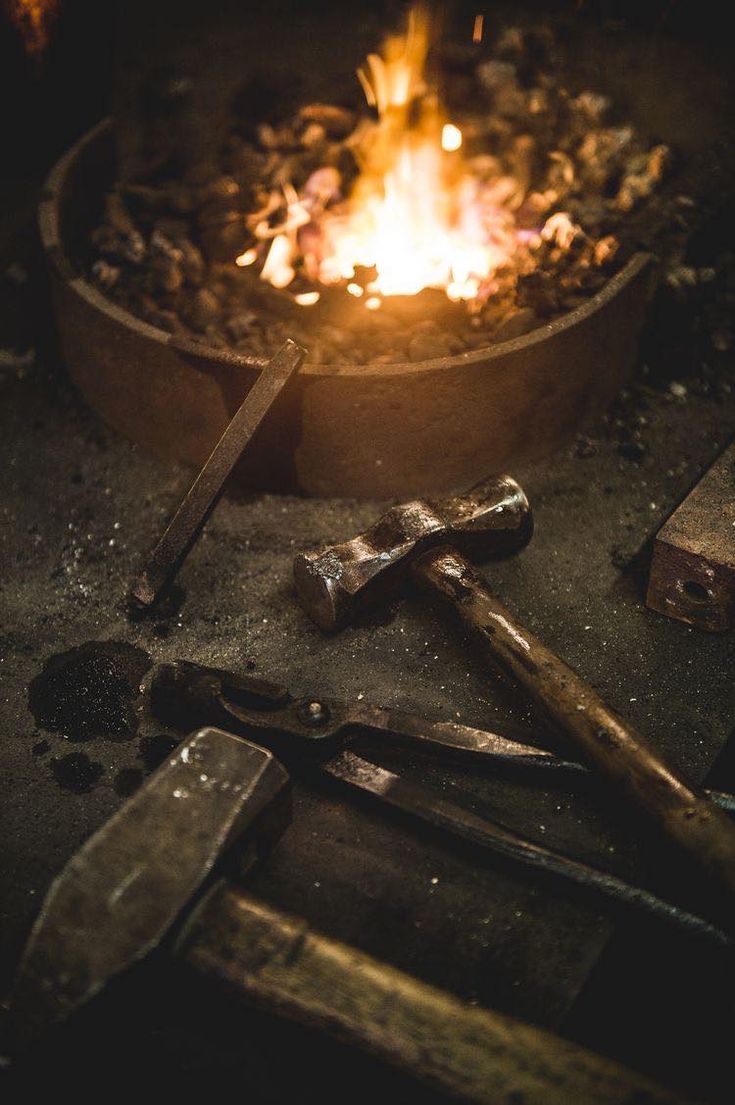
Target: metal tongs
column 315, row 733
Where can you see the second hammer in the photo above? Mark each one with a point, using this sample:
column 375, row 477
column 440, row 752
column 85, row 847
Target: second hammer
column 494, row 516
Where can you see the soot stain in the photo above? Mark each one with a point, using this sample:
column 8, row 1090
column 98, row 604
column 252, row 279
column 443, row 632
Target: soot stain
column 155, row 749
column 90, row 691
column 168, row 607
column 127, row 781
column 76, row 772
column 40, row 748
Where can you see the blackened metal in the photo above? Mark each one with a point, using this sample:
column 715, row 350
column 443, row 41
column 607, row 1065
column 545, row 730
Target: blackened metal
column 493, row 518
column 608, row 743
column 693, row 565
column 334, row 579
column 181, row 687
column 436, row 811
column 123, row 890
column 187, row 694
column 204, row 494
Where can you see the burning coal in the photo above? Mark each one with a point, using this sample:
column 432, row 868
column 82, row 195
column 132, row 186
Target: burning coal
column 419, row 225
column 416, row 214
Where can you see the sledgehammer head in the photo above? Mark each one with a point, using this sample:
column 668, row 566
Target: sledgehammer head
column 124, row 889
column 491, row 519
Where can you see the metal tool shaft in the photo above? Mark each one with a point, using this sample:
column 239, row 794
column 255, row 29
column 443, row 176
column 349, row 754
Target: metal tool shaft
column 461, row 823
column 204, row 494
column 606, row 742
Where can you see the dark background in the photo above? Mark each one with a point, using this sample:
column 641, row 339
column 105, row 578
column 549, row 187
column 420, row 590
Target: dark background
column 49, row 99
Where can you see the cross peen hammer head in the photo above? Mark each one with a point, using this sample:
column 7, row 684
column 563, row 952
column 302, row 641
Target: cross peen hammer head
column 334, row 582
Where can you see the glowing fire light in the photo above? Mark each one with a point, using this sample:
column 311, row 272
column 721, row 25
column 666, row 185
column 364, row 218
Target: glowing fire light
column 478, row 28
column 451, row 137
column 249, row 257
column 33, row 18
column 415, row 215
column 278, row 269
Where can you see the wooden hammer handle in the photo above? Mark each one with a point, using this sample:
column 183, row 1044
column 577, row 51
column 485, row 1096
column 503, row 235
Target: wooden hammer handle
column 280, row 964
column 605, row 741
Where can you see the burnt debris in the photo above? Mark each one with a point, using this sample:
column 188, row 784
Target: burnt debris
column 90, row 691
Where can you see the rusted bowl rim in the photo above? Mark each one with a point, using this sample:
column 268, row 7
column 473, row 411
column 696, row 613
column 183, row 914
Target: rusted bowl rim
column 49, row 224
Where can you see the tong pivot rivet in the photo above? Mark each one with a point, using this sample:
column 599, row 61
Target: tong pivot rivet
column 314, row 713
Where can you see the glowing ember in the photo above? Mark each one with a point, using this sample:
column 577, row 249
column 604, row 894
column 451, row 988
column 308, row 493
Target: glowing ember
column 249, row 257
column 451, row 137
column 415, row 216
column 277, row 268
column 307, row 299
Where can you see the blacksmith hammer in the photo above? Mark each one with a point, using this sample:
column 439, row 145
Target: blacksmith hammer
column 494, row 517
column 133, row 884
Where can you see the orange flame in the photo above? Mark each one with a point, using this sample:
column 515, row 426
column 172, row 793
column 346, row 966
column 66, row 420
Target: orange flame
column 415, row 215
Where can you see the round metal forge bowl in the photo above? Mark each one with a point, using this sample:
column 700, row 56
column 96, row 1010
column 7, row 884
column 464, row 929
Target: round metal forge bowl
column 371, row 431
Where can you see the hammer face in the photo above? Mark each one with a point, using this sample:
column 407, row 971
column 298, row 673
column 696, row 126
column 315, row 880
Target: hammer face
column 333, row 582
column 119, row 895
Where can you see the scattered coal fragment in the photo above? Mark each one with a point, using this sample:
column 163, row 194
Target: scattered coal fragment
column 632, row 450
column 155, row 749
column 90, row 691
column 585, row 447
column 76, row 772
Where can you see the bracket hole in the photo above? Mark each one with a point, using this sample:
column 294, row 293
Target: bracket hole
column 695, row 592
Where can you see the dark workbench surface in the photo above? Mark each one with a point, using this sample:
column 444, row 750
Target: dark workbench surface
column 80, row 506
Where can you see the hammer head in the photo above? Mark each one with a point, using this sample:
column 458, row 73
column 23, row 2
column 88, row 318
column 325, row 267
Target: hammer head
column 493, row 518
column 124, row 889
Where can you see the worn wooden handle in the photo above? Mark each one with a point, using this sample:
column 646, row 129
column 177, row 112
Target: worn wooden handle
column 606, row 742
column 475, row 1055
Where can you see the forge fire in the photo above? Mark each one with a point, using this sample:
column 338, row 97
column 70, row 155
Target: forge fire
column 471, row 170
